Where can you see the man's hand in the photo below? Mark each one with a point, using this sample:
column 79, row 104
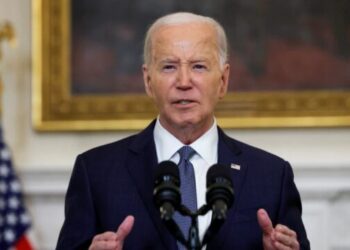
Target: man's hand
column 113, row 240
column 278, row 238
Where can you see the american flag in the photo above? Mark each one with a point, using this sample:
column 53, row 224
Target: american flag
column 14, row 220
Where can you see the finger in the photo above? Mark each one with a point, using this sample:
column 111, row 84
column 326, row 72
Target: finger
column 283, row 239
column 103, row 245
column 280, row 246
column 285, row 230
column 287, row 237
column 104, row 241
column 125, row 228
column 264, row 221
column 105, row 236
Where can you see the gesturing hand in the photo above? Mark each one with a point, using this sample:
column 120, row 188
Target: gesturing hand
column 113, row 240
column 278, row 238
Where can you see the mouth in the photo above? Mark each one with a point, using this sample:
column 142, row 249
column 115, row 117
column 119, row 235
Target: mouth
column 183, row 102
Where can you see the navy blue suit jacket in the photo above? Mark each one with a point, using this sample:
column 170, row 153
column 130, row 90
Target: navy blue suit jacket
column 115, row 180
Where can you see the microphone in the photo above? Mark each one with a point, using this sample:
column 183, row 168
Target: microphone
column 219, row 197
column 167, row 197
column 166, row 192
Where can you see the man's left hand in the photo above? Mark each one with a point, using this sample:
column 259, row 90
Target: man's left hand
column 278, row 238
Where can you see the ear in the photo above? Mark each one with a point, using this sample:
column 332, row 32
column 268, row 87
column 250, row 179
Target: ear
column 224, row 80
column 147, row 80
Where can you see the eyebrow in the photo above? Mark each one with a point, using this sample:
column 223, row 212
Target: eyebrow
column 199, row 60
column 173, row 60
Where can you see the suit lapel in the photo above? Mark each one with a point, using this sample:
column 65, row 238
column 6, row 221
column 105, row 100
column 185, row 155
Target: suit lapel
column 228, row 154
column 141, row 166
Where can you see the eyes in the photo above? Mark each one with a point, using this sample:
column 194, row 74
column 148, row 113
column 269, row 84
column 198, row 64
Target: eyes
column 199, row 67
column 172, row 67
column 168, row 68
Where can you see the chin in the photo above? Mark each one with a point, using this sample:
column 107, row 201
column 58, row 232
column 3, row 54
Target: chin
column 183, row 120
column 180, row 122
column 187, row 122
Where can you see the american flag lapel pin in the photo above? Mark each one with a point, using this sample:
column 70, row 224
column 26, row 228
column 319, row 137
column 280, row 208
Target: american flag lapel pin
column 235, row 166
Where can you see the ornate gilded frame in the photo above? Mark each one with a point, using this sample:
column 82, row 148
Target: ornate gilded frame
column 55, row 109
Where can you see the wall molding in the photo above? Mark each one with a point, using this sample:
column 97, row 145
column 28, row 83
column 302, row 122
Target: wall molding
column 322, row 183
column 44, row 182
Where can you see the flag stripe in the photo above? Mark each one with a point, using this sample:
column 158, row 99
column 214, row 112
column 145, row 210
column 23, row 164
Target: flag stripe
column 23, row 244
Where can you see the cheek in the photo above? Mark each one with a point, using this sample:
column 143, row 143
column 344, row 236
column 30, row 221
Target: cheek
column 163, row 87
column 212, row 91
column 160, row 95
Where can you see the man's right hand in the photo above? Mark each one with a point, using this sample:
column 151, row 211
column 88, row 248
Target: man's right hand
column 113, row 240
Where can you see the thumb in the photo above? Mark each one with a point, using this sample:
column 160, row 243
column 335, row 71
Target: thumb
column 264, row 221
column 125, row 228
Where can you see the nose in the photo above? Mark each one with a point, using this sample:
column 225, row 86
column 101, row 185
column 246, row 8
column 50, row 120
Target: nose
column 184, row 78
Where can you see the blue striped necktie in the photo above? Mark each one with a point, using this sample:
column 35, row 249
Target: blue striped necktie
column 188, row 189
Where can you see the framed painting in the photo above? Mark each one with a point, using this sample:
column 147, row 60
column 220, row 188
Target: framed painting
column 290, row 62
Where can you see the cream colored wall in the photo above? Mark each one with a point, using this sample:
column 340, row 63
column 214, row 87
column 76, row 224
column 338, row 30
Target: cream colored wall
column 321, row 157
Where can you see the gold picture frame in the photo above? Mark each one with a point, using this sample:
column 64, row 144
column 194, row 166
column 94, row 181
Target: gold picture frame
column 56, row 109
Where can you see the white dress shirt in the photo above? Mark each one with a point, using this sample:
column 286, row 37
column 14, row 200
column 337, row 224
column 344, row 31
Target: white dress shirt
column 206, row 148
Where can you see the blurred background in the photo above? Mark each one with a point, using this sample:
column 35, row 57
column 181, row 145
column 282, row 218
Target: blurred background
column 43, row 160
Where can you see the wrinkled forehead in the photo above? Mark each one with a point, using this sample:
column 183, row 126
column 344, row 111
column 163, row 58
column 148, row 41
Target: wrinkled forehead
column 191, row 37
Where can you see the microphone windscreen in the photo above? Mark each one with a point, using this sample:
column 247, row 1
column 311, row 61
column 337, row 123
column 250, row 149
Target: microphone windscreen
column 217, row 171
column 167, row 168
column 166, row 184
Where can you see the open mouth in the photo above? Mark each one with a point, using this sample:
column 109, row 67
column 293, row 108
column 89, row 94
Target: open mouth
column 183, row 102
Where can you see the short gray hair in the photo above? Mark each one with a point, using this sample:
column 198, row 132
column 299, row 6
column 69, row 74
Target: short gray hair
column 181, row 18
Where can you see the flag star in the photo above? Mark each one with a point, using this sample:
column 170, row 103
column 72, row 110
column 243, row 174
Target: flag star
column 24, row 219
column 11, row 219
column 5, row 154
column 9, row 235
column 13, row 202
column 4, row 170
column 3, row 187
column 15, row 186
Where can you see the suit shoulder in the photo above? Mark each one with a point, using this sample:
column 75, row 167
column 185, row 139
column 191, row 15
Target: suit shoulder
column 112, row 149
column 118, row 149
column 252, row 153
column 260, row 162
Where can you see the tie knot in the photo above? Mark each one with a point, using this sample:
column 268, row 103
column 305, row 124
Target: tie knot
column 186, row 152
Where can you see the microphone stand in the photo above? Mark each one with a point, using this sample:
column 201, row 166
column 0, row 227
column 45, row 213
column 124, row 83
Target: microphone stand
column 193, row 242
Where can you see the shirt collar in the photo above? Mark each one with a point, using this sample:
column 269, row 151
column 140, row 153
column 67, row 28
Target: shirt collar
column 205, row 146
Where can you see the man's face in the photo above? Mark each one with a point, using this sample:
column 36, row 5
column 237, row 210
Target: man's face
column 184, row 77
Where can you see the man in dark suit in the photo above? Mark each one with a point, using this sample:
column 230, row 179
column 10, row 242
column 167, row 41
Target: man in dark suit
column 109, row 202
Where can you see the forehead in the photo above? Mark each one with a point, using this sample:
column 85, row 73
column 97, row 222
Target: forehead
column 187, row 38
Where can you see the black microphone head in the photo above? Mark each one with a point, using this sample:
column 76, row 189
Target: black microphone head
column 218, row 170
column 167, row 168
column 219, row 185
column 167, row 184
